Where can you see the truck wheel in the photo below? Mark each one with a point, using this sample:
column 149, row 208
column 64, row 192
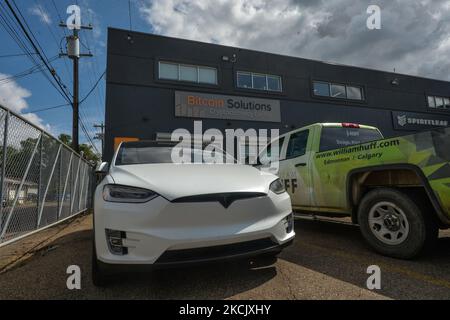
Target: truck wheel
column 394, row 224
column 99, row 279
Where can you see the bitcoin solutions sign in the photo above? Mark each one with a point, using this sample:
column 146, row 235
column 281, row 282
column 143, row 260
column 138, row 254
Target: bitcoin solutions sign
column 215, row 106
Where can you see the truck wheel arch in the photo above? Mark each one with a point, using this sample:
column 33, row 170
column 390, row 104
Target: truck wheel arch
column 410, row 174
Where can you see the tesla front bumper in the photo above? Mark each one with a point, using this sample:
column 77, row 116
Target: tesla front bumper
column 164, row 233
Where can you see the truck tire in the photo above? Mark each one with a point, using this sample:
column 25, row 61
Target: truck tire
column 394, row 224
column 99, row 279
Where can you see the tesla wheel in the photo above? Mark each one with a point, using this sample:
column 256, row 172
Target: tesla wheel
column 99, row 279
column 394, row 224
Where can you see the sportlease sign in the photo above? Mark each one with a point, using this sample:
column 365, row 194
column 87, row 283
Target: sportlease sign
column 418, row 121
column 205, row 105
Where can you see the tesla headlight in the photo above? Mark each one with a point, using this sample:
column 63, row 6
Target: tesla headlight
column 277, row 187
column 117, row 193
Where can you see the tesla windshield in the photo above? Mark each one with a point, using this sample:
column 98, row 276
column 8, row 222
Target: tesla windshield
column 152, row 152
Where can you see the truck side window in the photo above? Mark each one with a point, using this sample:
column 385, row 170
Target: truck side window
column 297, row 144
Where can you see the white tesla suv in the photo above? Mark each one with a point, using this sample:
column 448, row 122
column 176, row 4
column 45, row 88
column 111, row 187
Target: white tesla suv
column 149, row 211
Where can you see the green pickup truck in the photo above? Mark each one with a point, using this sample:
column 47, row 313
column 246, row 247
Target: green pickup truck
column 397, row 190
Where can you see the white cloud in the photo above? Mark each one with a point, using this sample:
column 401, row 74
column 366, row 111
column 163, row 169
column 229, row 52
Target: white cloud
column 40, row 12
column 13, row 97
column 413, row 38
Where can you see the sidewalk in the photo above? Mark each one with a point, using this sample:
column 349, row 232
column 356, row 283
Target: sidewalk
column 17, row 253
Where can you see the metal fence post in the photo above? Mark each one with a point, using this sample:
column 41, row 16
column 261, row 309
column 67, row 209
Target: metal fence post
column 59, row 184
column 75, row 186
column 40, row 178
column 80, row 199
column 47, row 186
column 65, row 185
column 4, row 159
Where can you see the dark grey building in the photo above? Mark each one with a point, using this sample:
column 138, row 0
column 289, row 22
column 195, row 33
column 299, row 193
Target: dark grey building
column 156, row 84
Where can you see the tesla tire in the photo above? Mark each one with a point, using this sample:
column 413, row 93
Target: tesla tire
column 99, row 279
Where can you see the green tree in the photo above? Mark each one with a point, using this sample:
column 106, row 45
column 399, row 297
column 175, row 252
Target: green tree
column 87, row 150
column 65, row 138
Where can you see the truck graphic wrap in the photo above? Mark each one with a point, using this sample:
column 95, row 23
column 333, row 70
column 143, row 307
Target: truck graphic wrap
column 397, row 190
column 429, row 151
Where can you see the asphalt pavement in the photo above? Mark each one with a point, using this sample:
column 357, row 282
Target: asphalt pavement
column 328, row 260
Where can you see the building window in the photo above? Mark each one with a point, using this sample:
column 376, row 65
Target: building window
column 244, row 80
column 274, row 83
column 189, row 73
column 354, row 93
column 258, row 81
column 335, row 90
column 438, row 102
column 207, row 75
column 322, row 89
column 338, row 91
column 168, row 71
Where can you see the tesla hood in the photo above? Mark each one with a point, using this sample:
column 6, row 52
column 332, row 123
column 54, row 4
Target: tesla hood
column 173, row 181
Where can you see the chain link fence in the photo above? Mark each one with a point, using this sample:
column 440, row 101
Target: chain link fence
column 43, row 181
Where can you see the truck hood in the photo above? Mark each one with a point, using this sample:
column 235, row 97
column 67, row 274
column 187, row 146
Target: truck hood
column 173, row 181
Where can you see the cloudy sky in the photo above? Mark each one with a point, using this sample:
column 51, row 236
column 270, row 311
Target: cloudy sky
column 414, row 39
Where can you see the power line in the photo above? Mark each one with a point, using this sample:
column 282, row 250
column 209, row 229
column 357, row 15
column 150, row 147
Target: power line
column 64, row 35
column 35, row 47
column 27, row 72
column 48, row 108
column 32, row 40
column 9, row 24
column 13, row 55
column 93, row 88
column 83, row 128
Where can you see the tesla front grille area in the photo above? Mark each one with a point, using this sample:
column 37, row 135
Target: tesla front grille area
column 233, row 250
column 149, row 211
column 225, row 198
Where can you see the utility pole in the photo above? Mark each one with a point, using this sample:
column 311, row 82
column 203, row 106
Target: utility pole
column 101, row 135
column 73, row 52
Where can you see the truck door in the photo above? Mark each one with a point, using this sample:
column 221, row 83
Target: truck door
column 294, row 170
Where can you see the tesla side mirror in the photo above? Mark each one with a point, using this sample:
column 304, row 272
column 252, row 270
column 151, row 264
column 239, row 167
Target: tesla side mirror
column 102, row 170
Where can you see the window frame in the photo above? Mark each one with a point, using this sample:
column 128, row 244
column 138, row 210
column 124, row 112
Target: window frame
column 446, row 104
column 445, row 107
column 341, row 85
column 442, row 105
column 319, row 95
column 434, row 101
column 186, row 64
column 266, row 76
column 289, row 140
column 354, row 86
column 345, row 99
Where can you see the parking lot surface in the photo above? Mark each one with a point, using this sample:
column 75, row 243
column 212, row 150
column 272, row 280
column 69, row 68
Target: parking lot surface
column 328, row 260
